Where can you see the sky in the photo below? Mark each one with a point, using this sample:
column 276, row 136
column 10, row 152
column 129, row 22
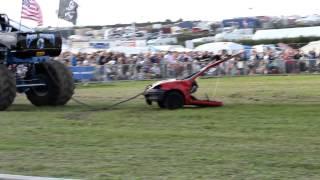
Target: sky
column 105, row 12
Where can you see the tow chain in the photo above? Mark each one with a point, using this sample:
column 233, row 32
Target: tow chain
column 110, row 106
column 92, row 108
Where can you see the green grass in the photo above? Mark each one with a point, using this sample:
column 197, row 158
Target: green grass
column 268, row 129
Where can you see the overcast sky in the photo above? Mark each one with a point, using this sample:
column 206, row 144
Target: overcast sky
column 103, row 12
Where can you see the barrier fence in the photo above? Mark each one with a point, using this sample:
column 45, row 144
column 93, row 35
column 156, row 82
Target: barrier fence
column 116, row 72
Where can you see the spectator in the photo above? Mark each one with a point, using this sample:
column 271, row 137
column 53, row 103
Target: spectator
column 74, row 60
column 115, row 65
column 312, row 60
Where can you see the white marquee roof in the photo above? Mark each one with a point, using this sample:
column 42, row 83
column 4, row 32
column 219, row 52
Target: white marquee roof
column 287, row 33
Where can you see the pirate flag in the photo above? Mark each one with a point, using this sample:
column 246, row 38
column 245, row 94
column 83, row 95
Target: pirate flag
column 68, row 11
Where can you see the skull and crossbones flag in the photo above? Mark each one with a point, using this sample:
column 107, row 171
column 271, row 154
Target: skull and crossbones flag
column 68, row 11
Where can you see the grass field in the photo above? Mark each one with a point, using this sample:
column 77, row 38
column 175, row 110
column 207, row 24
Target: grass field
column 269, row 128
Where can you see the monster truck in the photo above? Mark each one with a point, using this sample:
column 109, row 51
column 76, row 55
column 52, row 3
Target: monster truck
column 26, row 66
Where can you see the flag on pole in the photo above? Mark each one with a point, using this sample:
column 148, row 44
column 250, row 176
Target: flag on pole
column 68, row 11
column 31, row 10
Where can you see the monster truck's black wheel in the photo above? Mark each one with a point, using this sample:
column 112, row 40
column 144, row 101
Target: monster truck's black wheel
column 59, row 85
column 173, row 100
column 161, row 104
column 7, row 87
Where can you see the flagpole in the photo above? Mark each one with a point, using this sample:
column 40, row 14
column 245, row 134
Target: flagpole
column 57, row 25
column 21, row 16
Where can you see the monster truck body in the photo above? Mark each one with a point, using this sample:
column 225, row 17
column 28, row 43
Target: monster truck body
column 26, row 66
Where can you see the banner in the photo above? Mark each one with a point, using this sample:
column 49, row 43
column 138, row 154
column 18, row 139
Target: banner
column 68, row 11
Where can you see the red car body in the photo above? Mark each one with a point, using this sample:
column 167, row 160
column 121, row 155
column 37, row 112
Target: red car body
column 175, row 93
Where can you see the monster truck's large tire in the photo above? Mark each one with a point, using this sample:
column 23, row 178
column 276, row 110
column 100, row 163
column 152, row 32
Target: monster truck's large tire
column 7, row 87
column 60, row 85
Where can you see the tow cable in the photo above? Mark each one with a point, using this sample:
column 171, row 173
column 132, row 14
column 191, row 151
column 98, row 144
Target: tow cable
column 92, row 108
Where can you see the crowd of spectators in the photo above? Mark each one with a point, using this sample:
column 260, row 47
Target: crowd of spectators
column 175, row 64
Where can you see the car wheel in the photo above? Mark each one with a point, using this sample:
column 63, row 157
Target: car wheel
column 173, row 100
column 161, row 104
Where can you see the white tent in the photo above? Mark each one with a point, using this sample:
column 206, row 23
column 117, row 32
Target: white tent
column 72, row 50
column 204, row 39
column 90, row 50
column 181, row 49
column 218, row 46
column 287, row 33
column 263, row 47
column 129, row 50
column 165, row 47
column 172, row 48
column 78, row 38
column 315, row 45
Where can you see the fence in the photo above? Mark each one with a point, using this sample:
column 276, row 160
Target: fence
column 163, row 71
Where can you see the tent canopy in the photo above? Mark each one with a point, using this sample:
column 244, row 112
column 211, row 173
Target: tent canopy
column 165, row 47
column 263, row 47
column 287, row 33
column 216, row 47
column 315, row 45
column 129, row 50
